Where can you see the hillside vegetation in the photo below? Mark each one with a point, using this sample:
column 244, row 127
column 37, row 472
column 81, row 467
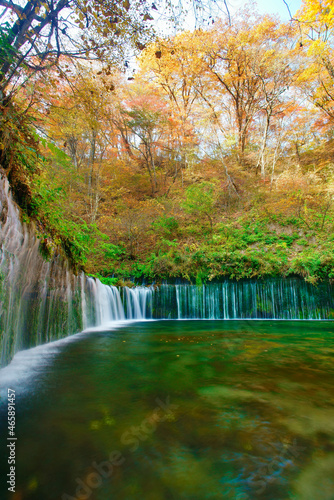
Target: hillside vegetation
column 214, row 158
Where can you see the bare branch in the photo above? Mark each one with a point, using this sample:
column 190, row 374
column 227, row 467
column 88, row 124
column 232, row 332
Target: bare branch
column 11, row 6
column 287, row 6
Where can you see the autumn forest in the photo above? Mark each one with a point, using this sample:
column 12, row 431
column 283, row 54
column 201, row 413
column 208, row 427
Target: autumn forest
column 210, row 155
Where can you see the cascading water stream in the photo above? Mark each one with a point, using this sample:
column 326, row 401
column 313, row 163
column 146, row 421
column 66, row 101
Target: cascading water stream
column 277, row 299
column 42, row 300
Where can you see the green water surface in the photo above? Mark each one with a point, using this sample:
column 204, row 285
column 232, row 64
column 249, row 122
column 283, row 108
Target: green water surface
column 180, row 410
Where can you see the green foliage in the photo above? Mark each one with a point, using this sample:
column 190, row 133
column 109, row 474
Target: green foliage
column 47, row 205
column 199, row 199
column 112, row 252
column 165, row 225
column 8, row 53
column 107, row 280
column 19, row 153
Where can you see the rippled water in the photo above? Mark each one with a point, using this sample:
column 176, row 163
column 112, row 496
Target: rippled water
column 175, row 410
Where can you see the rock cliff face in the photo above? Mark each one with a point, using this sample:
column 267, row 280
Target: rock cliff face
column 40, row 299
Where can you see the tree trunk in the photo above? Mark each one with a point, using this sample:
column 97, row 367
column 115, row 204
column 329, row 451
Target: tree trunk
column 263, row 146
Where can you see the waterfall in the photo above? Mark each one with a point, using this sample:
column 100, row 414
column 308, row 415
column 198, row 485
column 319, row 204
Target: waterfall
column 43, row 300
column 281, row 298
column 138, row 302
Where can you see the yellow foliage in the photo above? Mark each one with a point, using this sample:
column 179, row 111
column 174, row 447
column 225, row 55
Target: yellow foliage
column 317, row 12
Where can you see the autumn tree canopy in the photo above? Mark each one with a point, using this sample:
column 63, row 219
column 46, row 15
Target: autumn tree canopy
column 35, row 34
column 315, row 21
